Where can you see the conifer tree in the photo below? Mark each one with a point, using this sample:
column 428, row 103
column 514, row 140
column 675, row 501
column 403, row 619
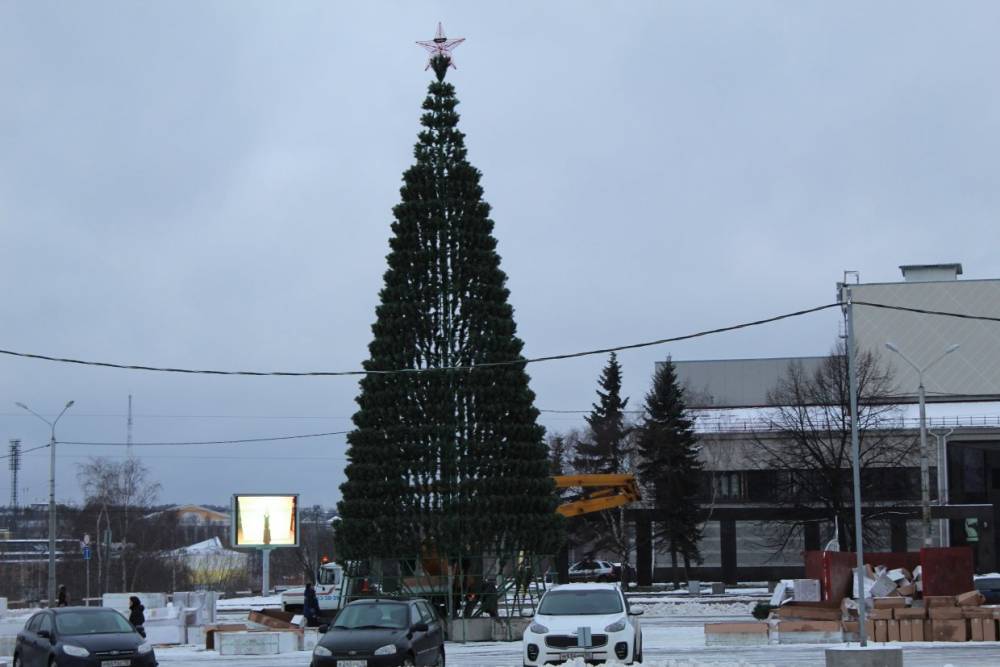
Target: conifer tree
column 445, row 461
column 669, row 466
column 606, row 448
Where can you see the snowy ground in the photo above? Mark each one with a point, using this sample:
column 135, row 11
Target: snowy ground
column 670, row 642
column 673, row 636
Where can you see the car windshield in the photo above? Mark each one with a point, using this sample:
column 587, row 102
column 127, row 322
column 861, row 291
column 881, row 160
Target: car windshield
column 392, row 615
column 580, row 602
column 327, row 577
column 91, row 623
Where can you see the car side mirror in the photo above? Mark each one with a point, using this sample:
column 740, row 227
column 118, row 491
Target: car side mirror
column 323, row 629
column 635, row 612
column 419, row 627
column 45, row 634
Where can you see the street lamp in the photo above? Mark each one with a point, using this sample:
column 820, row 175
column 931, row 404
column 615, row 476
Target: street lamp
column 925, row 475
column 52, row 496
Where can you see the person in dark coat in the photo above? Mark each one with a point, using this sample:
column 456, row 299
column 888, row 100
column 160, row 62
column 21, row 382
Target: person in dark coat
column 310, row 606
column 62, row 600
column 135, row 615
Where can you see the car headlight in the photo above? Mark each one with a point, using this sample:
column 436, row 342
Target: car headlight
column 617, row 626
column 144, row 648
column 322, row 652
column 388, row 649
column 75, row 651
column 538, row 628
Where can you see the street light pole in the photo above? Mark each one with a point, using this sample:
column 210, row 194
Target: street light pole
column 52, row 496
column 925, row 473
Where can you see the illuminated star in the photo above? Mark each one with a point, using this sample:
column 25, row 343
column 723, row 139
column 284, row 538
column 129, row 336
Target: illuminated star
column 440, row 47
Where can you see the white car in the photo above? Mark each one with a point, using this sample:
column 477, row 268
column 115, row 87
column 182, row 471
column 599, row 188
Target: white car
column 589, row 621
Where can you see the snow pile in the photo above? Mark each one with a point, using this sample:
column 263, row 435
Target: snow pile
column 578, row 662
column 696, row 608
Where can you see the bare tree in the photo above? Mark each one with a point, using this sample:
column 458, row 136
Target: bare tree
column 116, row 490
column 807, row 447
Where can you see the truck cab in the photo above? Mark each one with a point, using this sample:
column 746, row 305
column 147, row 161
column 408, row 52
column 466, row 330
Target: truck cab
column 329, row 582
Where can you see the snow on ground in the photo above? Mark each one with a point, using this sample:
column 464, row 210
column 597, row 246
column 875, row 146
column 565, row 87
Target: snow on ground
column 676, row 641
column 654, row 608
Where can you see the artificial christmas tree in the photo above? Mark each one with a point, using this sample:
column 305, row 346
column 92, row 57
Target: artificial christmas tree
column 444, row 460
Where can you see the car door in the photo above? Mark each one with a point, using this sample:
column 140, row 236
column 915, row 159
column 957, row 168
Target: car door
column 419, row 638
column 435, row 631
column 43, row 645
column 26, row 641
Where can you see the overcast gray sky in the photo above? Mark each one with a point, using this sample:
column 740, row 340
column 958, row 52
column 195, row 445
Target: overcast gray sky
column 210, row 185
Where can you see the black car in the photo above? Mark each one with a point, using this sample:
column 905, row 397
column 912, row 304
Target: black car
column 382, row 633
column 81, row 637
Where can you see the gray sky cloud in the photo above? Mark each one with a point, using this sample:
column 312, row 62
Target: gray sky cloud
column 211, row 184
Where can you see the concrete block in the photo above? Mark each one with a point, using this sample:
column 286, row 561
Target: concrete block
column 510, row 629
column 694, row 588
column 119, row 601
column 989, row 630
column 308, row 639
column 864, row 657
column 736, row 634
column 470, row 629
column 805, row 590
column 892, row 631
column 718, row 588
column 905, row 630
column 3, row 607
column 810, row 612
column 257, row 643
column 165, row 634
column 909, row 613
column 7, row 644
column 917, row 628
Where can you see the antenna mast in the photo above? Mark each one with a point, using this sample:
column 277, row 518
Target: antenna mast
column 128, row 429
column 15, row 466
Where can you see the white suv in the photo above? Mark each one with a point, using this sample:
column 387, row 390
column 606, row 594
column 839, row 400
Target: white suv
column 589, row 621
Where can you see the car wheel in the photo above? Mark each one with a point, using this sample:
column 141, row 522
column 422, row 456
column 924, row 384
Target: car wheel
column 408, row 662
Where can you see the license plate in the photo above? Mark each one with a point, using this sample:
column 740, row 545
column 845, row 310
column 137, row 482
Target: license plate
column 116, row 663
column 352, row 663
column 586, row 655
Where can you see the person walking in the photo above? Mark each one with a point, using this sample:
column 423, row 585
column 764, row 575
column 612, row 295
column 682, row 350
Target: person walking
column 62, row 600
column 310, row 606
column 136, row 616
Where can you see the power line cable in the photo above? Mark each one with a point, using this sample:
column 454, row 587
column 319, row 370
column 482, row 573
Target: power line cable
column 25, row 451
column 204, row 442
column 398, row 371
column 926, row 311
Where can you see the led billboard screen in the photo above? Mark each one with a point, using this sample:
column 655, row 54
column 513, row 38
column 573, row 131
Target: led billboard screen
column 265, row 520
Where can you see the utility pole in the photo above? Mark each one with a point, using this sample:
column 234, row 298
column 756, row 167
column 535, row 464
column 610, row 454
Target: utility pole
column 52, row 497
column 859, row 573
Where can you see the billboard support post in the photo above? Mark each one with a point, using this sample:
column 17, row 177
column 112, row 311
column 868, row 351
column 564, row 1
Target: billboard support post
column 265, row 568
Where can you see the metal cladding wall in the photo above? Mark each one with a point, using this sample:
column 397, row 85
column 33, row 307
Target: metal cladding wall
column 735, row 383
column 970, row 373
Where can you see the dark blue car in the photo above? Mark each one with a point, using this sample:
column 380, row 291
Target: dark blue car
column 81, row 637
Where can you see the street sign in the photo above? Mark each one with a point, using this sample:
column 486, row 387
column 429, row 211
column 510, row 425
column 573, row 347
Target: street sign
column 86, row 553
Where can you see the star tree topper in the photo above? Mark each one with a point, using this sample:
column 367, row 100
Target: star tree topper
column 440, row 49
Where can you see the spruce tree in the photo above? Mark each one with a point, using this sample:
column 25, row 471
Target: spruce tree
column 606, row 448
column 669, row 466
column 445, row 461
